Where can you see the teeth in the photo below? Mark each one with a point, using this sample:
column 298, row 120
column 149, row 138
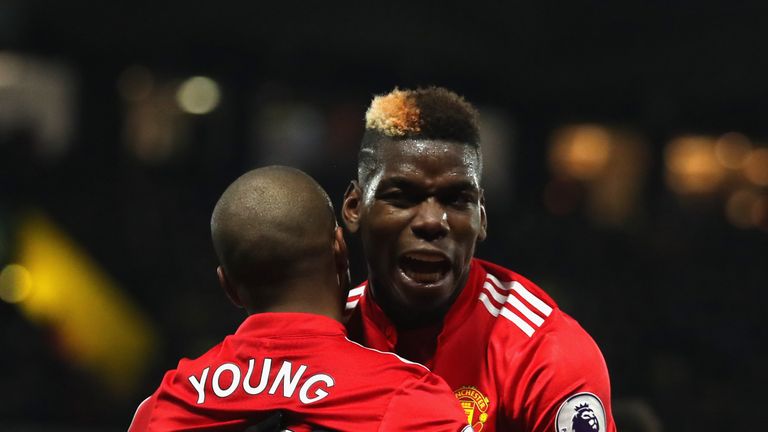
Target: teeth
column 425, row 258
column 424, row 269
column 423, row 277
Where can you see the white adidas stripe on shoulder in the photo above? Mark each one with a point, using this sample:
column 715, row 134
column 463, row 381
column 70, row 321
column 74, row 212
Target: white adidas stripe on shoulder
column 532, row 299
column 356, row 291
column 353, row 298
column 508, row 314
column 523, row 291
column 388, row 353
column 511, row 307
column 493, row 291
column 514, row 302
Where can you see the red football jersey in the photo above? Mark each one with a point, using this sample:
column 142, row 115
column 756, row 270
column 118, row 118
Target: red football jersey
column 303, row 365
column 515, row 361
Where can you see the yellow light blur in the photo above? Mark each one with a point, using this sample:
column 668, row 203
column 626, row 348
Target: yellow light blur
column 580, row 151
column 732, row 149
column 692, row 167
column 756, row 167
column 739, row 208
column 135, row 83
column 98, row 327
column 15, row 283
column 198, row 95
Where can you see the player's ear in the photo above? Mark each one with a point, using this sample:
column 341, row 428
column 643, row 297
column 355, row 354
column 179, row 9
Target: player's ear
column 483, row 218
column 350, row 209
column 340, row 253
column 341, row 258
column 229, row 289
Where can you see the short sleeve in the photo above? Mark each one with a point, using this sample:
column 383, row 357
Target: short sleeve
column 424, row 404
column 564, row 384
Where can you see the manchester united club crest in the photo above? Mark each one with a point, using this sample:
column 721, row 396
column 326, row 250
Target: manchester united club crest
column 582, row 412
column 475, row 405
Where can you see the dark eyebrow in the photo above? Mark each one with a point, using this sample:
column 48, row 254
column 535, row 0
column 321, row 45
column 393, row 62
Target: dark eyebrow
column 408, row 184
column 398, row 182
column 463, row 185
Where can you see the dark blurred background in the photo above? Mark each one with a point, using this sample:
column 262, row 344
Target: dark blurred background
column 626, row 173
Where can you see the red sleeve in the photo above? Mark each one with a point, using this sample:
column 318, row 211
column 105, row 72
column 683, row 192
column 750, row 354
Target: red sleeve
column 565, row 384
column 140, row 422
column 425, row 404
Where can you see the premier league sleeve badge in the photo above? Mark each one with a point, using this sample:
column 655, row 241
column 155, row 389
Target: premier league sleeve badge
column 582, row 412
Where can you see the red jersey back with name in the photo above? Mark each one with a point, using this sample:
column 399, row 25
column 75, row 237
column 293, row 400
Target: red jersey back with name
column 302, row 365
column 515, row 361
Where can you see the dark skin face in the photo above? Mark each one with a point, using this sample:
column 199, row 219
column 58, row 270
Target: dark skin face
column 420, row 215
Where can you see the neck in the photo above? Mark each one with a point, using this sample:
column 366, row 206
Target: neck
column 315, row 295
column 409, row 318
column 415, row 319
column 301, row 308
column 418, row 345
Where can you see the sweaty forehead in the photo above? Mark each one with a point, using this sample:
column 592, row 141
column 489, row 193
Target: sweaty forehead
column 428, row 158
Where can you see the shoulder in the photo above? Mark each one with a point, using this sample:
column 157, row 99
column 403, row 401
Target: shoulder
column 142, row 415
column 520, row 308
column 549, row 357
column 533, row 319
column 504, row 275
column 186, row 369
column 562, row 369
column 373, row 358
column 566, row 347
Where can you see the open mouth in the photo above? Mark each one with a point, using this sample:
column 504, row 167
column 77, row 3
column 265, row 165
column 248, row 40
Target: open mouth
column 424, row 268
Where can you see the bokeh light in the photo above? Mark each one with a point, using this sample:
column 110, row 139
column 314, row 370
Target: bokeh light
column 15, row 283
column 756, row 167
column 98, row 327
column 692, row 166
column 580, row 151
column 732, row 149
column 198, row 95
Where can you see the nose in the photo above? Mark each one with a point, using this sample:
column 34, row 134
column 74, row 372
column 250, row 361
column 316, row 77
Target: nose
column 431, row 221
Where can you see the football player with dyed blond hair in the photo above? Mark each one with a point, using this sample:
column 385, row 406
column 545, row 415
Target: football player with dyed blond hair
column 514, row 359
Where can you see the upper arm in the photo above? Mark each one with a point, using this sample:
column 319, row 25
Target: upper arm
column 563, row 371
column 424, row 403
